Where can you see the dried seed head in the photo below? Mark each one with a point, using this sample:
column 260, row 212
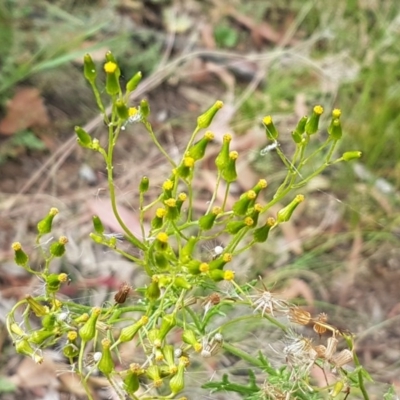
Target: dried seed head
column 331, row 348
column 210, row 301
column 319, row 323
column 218, row 337
column 299, row 316
column 122, row 294
column 342, row 358
column 321, row 350
column 213, row 298
column 266, row 302
column 299, row 352
column 211, row 346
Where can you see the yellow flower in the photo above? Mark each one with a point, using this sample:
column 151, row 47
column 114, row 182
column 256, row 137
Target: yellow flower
column 110, row 67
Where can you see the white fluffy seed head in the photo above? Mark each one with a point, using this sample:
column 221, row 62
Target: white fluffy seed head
column 218, row 337
column 178, row 353
column 218, row 250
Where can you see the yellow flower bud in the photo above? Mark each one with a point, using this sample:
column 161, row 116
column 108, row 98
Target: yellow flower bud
column 177, row 382
column 22, row 346
column 205, row 119
column 88, row 331
column 270, row 129
column 153, row 372
column 106, row 363
column 38, row 309
column 133, row 82
column 285, row 213
column 44, row 226
column 129, row 332
column 89, row 69
column 20, row 257
column 311, row 126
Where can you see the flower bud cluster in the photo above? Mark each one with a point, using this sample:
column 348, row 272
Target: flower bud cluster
column 169, row 249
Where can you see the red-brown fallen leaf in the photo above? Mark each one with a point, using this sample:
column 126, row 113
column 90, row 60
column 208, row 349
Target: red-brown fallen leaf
column 24, row 110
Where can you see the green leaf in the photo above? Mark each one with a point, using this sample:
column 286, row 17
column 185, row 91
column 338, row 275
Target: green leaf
column 225, row 36
column 29, row 140
column 228, row 386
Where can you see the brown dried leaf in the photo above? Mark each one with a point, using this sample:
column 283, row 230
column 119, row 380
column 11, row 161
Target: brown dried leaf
column 24, row 110
column 267, row 32
column 207, row 36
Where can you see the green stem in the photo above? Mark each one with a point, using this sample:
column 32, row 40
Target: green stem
column 195, row 319
column 309, row 177
column 330, row 152
column 228, row 185
column 361, row 385
column 359, row 373
column 109, row 161
column 191, row 140
column 86, row 387
column 214, row 195
column 141, row 215
column 98, row 99
column 242, row 355
column 246, row 317
column 236, row 240
column 130, row 257
column 306, row 160
column 157, row 143
column 178, row 231
column 10, row 317
column 116, row 388
column 190, row 205
column 80, row 360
